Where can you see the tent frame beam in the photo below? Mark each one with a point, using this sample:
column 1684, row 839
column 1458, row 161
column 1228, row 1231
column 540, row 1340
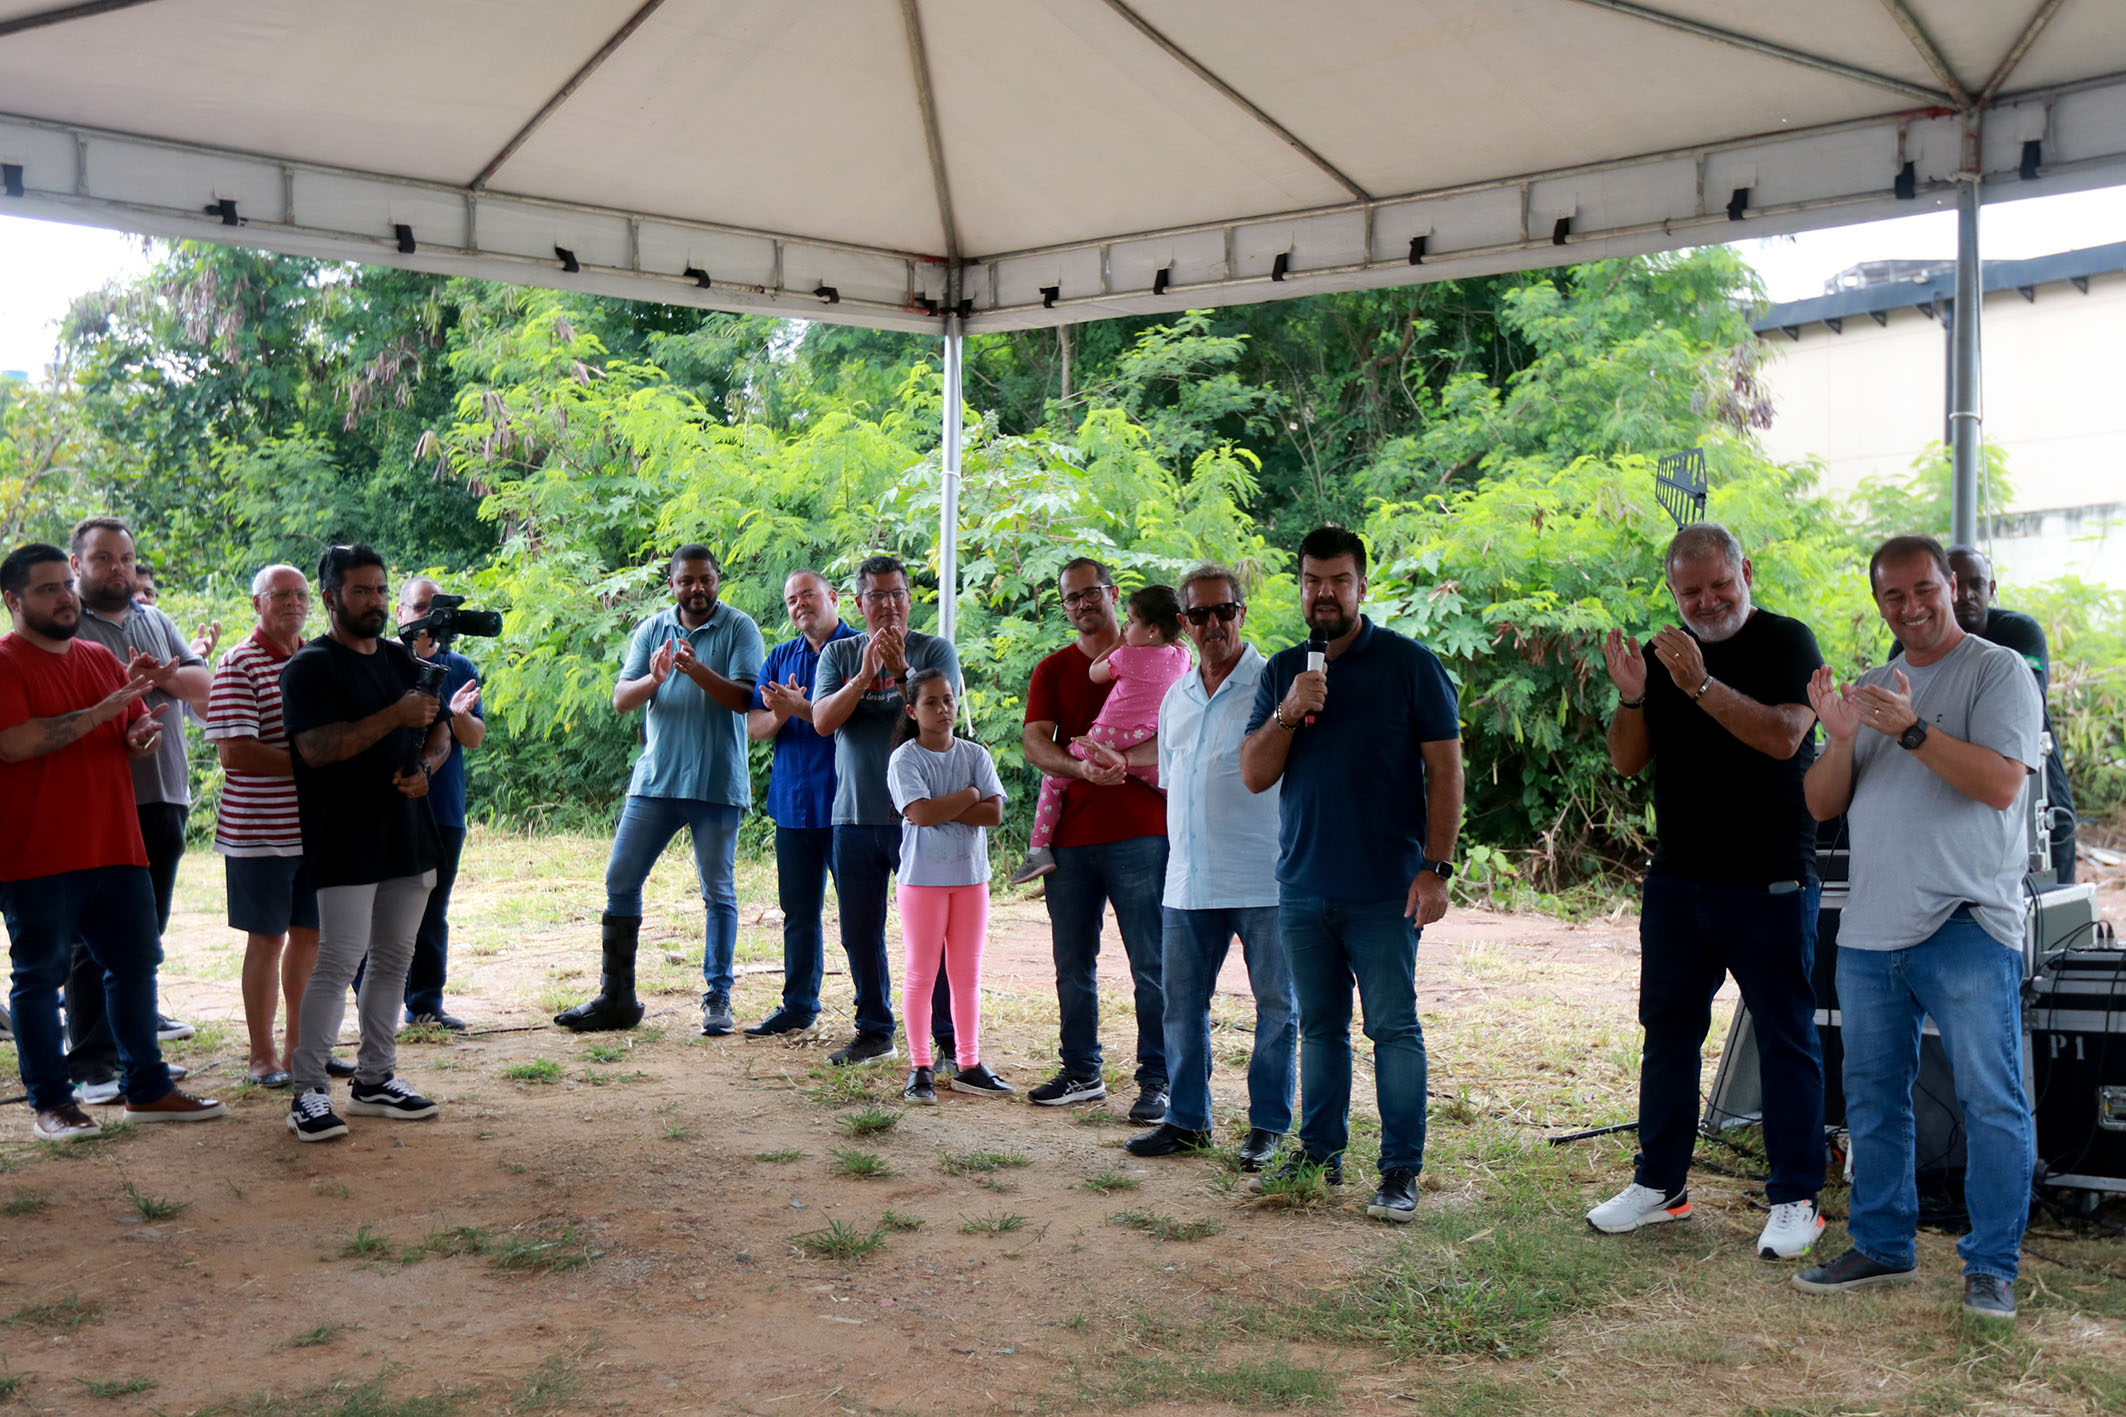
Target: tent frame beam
column 562, row 95
column 933, row 136
column 1923, row 42
column 2042, row 17
column 42, row 19
column 1737, row 40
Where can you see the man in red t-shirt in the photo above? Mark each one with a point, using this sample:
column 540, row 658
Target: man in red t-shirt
column 1110, row 845
column 72, row 863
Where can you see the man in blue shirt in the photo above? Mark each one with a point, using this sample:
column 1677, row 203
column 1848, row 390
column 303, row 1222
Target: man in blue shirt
column 800, row 794
column 446, row 804
column 692, row 668
column 1221, row 881
column 1371, row 807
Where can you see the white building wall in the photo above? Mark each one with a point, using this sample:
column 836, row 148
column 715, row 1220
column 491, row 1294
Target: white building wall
column 1867, row 400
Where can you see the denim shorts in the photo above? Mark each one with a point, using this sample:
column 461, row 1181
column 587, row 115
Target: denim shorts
column 269, row 895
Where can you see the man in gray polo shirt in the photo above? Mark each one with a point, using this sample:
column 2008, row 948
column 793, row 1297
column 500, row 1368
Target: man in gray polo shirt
column 102, row 559
column 1931, row 762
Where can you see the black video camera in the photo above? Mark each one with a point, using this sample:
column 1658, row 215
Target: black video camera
column 446, row 619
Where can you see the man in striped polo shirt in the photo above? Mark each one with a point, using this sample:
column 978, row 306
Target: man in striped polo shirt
column 272, row 898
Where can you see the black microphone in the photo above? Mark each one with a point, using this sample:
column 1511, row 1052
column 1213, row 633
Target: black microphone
column 1317, row 660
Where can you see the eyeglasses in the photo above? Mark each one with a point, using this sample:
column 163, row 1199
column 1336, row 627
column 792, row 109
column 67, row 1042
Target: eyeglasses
column 302, row 596
column 1079, row 597
column 884, row 597
column 1201, row 614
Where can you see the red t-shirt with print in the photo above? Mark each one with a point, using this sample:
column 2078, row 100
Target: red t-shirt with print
column 71, row 810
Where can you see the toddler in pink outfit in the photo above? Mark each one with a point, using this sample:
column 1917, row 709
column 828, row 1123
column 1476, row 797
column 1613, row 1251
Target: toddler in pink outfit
column 1149, row 660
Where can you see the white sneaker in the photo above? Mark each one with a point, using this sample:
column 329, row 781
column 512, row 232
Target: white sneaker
column 1791, row 1232
column 1638, row 1205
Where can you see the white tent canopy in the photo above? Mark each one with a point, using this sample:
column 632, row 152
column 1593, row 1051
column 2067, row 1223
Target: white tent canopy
column 1032, row 162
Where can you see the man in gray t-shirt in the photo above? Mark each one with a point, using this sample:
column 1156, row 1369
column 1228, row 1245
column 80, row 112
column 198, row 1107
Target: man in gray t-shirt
column 1931, row 763
column 856, row 699
column 105, row 576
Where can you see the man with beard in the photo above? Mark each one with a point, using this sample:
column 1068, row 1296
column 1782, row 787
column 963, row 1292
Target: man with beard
column 367, row 742
column 691, row 669
column 1929, row 761
column 1221, row 881
column 1733, row 890
column 1371, row 807
column 430, row 968
column 105, row 578
column 800, row 794
column 1978, row 615
column 1110, row 845
column 857, row 698
column 72, row 864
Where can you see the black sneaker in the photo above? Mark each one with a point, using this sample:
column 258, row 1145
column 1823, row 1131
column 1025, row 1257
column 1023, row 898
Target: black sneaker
column 864, row 1048
column 389, row 1098
column 1167, row 1139
column 311, row 1118
column 1396, row 1199
column 978, row 1080
column 1295, row 1166
column 436, row 1018
column 334, row 1068
column 779, row 1024
column 169, row 1030
column 947, row 1061
column 716, row 1020
column 921, row 1089
column 1260, row 1148
column 1150, row 1106
column 1851, row 1270
column 1063, row 1090
column 1989, row 1296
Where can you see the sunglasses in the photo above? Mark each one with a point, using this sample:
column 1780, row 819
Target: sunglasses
column 1201, row 614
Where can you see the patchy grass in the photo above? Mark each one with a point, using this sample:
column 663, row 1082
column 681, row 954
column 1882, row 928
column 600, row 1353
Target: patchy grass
column 964, row 1163
column 152, row 1208
column 1305, row 1184
column 872, row 1120
column 111, row 1389
column 894, row 1220
column 994, row 1223
column 320, row 1336
column 364, row 1244
column 779, row 1158
column 345, row 1399
column 66, row 1314
column 864, row 1164
column 840, row 1241
column 606, row 1052
column 538, row 1070
column 25, row 1203
column 1106, row 1183
column 557, row 1255
column 1165, row 1227
column 842, row 1087
column 448, row 1240
column 1274, row 1383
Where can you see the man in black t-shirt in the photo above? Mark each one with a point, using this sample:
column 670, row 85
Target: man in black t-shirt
column 1977, row 615
column 366, row 741
column 1719, row 706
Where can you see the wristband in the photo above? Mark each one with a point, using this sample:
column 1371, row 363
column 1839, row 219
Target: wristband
column 1278, row 714
column 1639, row 702
column 1702, row 688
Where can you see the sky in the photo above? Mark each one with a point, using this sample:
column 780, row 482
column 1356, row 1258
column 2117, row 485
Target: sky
column 43, row 265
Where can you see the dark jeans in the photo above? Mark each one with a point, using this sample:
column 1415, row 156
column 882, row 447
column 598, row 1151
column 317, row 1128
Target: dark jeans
column 865, row 860
column 113, row 909
column 1334, row 944
column 431, row 945
column 1692, row 935
column 92, row 1055
column 804, row 859
column 1132, row 874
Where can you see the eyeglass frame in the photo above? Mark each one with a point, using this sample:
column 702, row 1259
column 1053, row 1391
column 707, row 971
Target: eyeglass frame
column 1079, row 597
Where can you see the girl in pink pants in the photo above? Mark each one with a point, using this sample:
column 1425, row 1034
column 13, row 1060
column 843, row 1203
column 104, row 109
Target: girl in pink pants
column 948, row 794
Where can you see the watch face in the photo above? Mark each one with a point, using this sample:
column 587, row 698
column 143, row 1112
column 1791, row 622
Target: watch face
column 1914, row 736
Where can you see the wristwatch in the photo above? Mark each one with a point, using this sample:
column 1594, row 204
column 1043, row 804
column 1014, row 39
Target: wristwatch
column 1442, row 869
column 1914, row 736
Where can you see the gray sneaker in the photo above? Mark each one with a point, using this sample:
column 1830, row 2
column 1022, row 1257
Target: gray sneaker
column 716, row 1020
column 1989, row 1296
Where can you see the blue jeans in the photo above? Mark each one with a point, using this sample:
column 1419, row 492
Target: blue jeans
column 112, row 910
column 1971, row 986
column 1692, row 934
column 1196, row 942
column 647, row 826
column 865, row 860
column 804, row 858
column 1132, row 874
column 430, row 968
column 1333, row 944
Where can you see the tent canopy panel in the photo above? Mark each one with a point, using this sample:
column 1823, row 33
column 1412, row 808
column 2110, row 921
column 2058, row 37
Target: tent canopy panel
column 1032, row 162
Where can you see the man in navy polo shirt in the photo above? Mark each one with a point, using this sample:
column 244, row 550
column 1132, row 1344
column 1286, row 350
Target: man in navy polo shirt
column 691, row 668
column 1371, row 803
column 800, row 794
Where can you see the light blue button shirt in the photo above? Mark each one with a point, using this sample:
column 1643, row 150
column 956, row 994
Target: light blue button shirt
column 1221, row 838
column 695, row 746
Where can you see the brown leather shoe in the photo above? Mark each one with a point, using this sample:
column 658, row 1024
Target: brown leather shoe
column 176, row 1105
column 64, row 1123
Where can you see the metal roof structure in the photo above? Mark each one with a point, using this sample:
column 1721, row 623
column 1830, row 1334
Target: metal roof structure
column 1023, row 163
column 1934, row 295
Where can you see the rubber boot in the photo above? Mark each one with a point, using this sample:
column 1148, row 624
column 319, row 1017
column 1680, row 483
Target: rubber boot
column 615, row 1007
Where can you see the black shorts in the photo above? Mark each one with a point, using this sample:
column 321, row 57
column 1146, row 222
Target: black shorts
column 269, row 895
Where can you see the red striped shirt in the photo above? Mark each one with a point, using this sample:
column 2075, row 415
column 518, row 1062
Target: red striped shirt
column 257, row 815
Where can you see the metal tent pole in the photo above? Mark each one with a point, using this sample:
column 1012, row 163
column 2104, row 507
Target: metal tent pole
column 949, row 488
column 1964, row 429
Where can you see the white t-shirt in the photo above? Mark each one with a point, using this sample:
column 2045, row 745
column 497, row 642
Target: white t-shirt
column 951, row 853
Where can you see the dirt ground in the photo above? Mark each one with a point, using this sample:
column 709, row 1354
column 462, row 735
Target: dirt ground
column 612, row 1231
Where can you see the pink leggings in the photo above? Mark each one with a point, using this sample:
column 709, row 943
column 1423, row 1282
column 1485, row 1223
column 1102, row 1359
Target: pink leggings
column 943, row 923
column 1048, row 810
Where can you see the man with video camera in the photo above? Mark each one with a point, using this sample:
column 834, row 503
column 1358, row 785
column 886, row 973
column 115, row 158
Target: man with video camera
column 433, row 620
column 369, row 732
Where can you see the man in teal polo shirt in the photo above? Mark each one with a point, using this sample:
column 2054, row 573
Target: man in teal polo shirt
column 1359, row 727
column 692, row 668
